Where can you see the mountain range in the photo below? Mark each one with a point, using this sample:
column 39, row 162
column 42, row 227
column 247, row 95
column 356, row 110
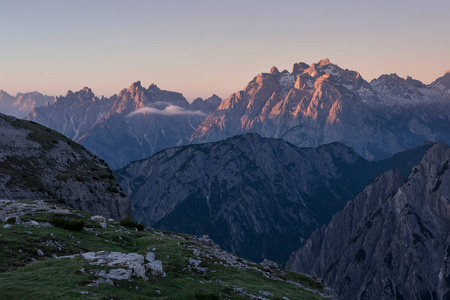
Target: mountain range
column 323, row 103
column 132, row 125
column 256, row 197
column 23, row 103
column 311, row 105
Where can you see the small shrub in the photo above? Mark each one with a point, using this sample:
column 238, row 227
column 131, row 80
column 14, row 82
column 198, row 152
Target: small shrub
column 128, row 222
column 67, row 223
column 11, row 220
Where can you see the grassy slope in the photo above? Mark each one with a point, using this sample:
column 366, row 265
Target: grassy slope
column 26, row 275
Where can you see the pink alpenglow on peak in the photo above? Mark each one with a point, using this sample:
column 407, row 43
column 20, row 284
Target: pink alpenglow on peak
column 274, row 70
column 324, row 62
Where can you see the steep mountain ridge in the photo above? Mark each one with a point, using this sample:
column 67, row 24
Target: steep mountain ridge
column 391, row 241
column 132, row 125
column 324, row 103
column 207, row 105
column 21, row 104
column 72, row 114
column 39, row 163
column 250, row 194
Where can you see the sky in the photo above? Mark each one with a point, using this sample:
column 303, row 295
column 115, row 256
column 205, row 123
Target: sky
column 201, row 47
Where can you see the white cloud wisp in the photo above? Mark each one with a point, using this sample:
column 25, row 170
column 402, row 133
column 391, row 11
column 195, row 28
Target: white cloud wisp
column 171, row 110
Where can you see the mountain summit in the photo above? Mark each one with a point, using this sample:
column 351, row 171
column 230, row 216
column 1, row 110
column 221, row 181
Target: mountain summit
column 323, row 103
column 132, row 125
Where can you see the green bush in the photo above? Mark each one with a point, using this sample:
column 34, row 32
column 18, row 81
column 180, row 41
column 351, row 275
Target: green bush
column 128, row 222
column 67, row 223
column 11, row 220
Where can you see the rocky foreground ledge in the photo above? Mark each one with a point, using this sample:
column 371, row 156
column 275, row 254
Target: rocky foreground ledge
column 50, row 251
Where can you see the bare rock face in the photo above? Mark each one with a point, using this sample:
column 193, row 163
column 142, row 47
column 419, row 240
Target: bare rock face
column 141, row 122
column 207, row 106
column 23, row 103
column 132, row 125
column 391, row 241
column 254, row 196
column 39, row 163
column 73, row 114
column 324, row 103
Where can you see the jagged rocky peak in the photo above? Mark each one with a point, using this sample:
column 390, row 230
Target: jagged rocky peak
column 137, row 96
column 153, row 87
column 136, row 85
column 392, row 241
column 304, row 81
column 79, row 98
column 442, row 84
column 4, row 95
column 324, row 62
column 395, row 87
column 133, row 89
column 312, row 71
column 414, row 82
column 323, row 77
column 208, row 105
column 392, row 80
column 87, row 90
column 263, row 81
column 26, row 102
column 388, row 79
column 299, row 68
column 287, row 96
column 274, row 71
column 349, row 79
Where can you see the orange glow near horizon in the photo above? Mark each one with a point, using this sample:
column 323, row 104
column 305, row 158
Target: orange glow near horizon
column 205, row 47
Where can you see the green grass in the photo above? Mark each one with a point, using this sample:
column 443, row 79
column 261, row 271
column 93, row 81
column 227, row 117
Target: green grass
column 128, row 222
column 26, row 275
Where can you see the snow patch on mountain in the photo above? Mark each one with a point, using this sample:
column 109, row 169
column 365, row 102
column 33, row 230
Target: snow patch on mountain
column 287, row 81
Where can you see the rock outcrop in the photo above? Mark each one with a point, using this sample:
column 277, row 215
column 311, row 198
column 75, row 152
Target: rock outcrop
column 392, row 241
column 254, row 196
column 39, row 163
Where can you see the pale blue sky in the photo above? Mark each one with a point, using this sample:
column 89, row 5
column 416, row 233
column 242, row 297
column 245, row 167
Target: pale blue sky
column 202, row 47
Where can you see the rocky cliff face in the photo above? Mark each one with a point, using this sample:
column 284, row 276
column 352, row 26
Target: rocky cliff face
column 390, row 242
column 73, row 114
column 324, row 103
column 132, row 125
column 254, row 196
column 208, row 105
column 23, row 103
column 39, row 163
